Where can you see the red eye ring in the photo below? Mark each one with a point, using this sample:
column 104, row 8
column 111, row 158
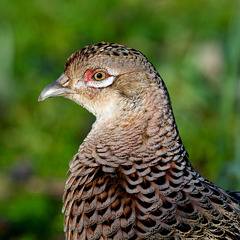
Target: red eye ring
column 96, row 75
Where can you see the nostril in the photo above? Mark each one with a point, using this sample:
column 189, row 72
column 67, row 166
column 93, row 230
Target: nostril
column 65, row 83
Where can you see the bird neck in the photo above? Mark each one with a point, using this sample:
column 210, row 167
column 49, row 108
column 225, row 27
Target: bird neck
column 149, row 132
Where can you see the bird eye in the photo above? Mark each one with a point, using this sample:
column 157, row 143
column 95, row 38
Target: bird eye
column 98, row 76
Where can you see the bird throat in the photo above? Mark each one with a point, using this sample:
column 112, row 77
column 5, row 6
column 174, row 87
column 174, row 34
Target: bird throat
column 149, row 133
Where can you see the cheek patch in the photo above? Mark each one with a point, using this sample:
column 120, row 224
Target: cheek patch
column 101, row 84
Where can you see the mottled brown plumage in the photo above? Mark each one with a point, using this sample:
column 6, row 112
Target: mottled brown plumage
column 131, row 178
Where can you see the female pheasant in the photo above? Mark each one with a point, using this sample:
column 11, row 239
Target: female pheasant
column 131, row 178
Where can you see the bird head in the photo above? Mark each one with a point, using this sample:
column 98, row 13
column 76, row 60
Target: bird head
column 104, row 78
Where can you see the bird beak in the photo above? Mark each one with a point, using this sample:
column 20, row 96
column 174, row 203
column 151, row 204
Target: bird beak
column 55, row 89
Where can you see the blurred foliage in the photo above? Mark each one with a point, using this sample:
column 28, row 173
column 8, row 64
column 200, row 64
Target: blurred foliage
column 194, row 45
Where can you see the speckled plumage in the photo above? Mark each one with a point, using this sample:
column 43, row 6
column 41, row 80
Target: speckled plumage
column 131, row 178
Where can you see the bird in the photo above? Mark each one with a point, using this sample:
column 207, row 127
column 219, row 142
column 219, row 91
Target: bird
column 131, row 177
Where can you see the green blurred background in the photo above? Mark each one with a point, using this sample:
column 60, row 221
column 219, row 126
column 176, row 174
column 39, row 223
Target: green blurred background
column 195, row 45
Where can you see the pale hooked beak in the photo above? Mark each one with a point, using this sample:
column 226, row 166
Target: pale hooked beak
column 55, row 89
